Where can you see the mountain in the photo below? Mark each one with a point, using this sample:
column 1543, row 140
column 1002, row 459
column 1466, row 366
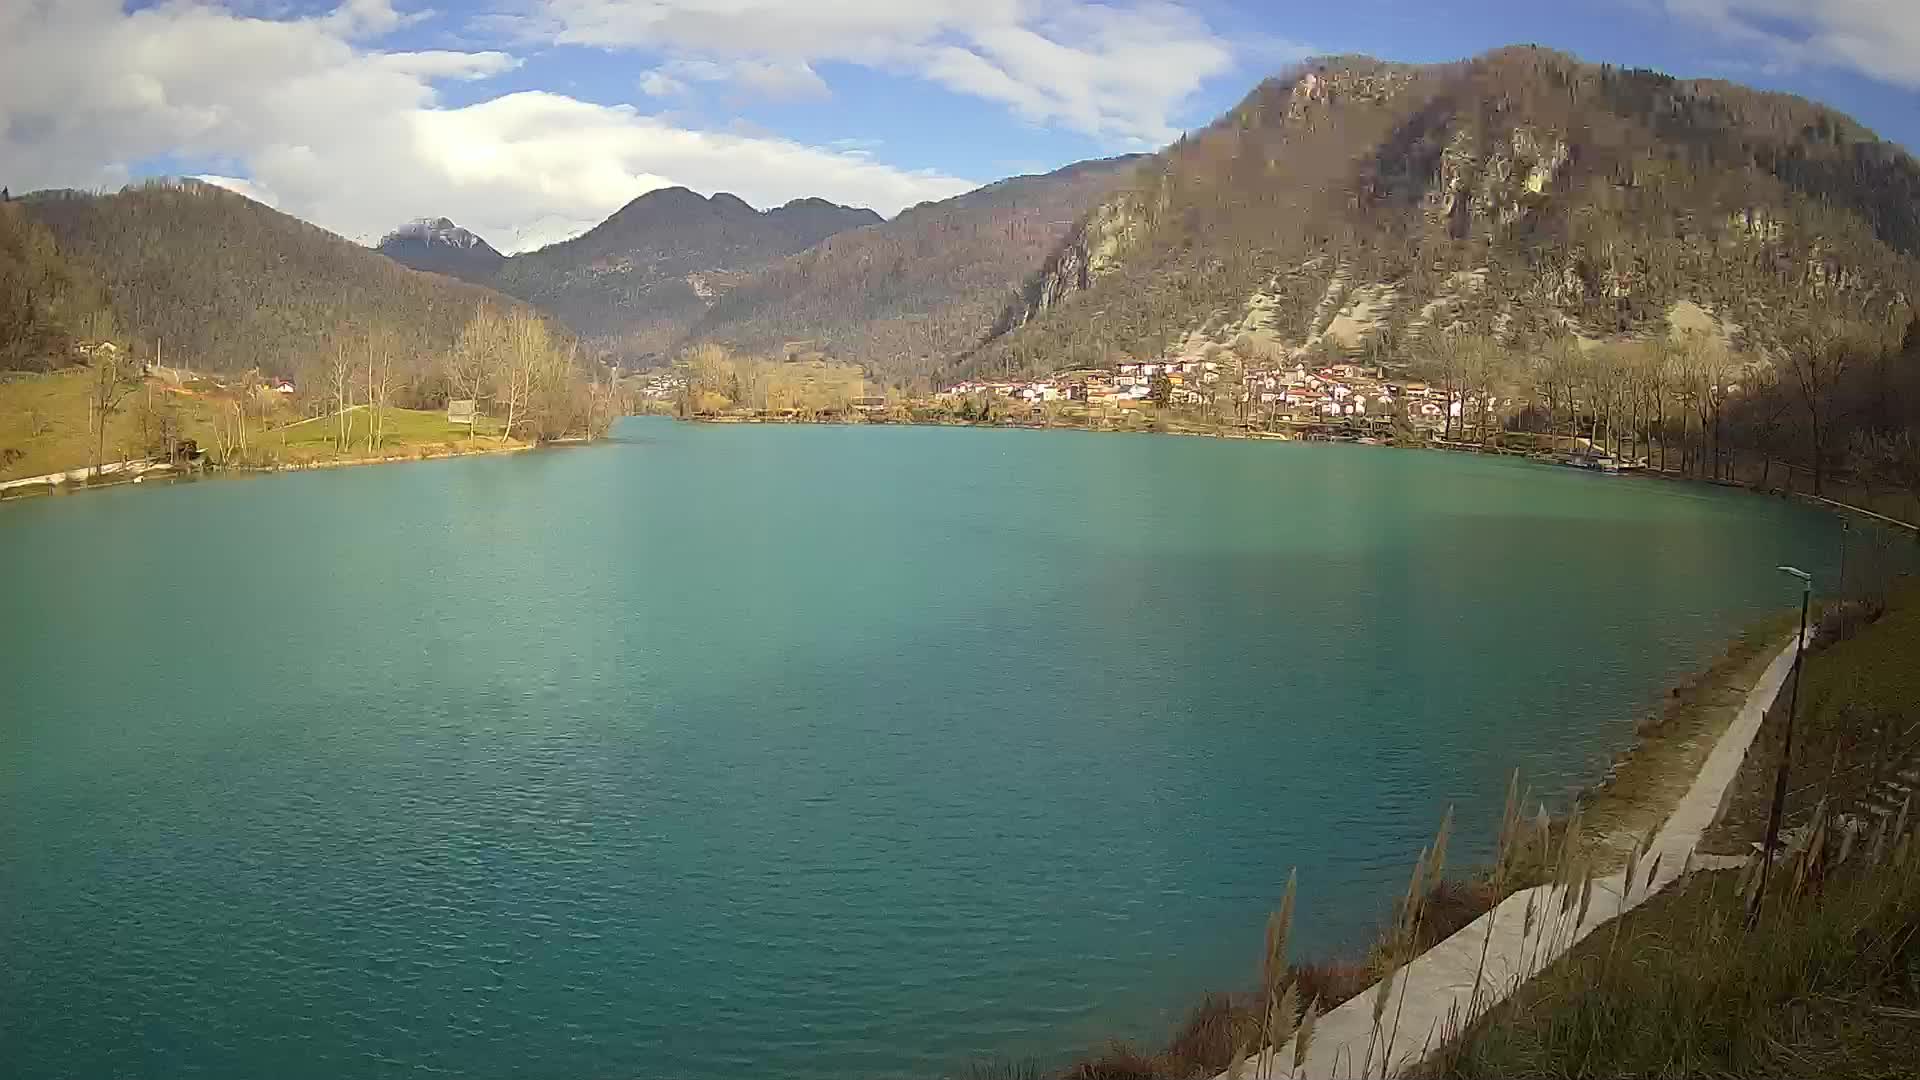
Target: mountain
column 1359, row 206
column 634, row 282
column 439, row 246
column 226, row 284
column 904, row 296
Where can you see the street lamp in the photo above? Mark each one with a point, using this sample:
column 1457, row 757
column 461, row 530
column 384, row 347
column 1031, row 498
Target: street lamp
column 1786, row 748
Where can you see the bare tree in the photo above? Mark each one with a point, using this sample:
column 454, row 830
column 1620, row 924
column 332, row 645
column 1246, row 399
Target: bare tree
column 476, row 356
column 1763, row 417
column 113, row 379
column 1705, row 366
column 379, row 378
column 1659, row 377
column 1818, row 366
column 1900, row 457
column 524, row 356
column 340, row 384
column 1478, row 360
column 1443, row 354
column 230, row 418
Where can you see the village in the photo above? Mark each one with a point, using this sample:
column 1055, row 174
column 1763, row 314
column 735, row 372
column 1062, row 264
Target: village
column 1308, row 396
column 1279, row 395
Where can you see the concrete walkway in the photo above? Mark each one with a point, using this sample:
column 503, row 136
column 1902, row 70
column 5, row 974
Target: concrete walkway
column 1439, row 985
column 132, row 467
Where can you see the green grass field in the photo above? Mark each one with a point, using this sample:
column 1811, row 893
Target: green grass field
column 404, row 432
column 44, row 427
column 44, row 423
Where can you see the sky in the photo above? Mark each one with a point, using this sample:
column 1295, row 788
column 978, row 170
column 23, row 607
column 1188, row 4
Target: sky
column 528, row 121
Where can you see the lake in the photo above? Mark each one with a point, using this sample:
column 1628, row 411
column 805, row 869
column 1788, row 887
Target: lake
column 849, row 752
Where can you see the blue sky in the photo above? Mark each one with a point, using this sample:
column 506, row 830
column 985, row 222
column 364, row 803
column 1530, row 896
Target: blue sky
column 529, row 120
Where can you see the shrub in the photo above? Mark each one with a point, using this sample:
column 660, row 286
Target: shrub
column 1841, row 621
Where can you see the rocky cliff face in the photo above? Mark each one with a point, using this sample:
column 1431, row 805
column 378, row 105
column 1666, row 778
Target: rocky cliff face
column 1096, row 246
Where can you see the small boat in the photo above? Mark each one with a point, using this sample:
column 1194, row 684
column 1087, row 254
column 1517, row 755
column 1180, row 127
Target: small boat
column 1595, row 462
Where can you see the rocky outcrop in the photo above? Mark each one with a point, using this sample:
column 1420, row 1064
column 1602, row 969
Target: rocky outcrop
column 1473, row 192
column 1096, row 247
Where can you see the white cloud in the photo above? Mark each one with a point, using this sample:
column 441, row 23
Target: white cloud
column 367, row 18
column 1877, row 38
column 241, row 186
column 787, row 80
column 658, row 83
column 1120, row 71
column 440, row 64
column 305, row 114
column 783, row 80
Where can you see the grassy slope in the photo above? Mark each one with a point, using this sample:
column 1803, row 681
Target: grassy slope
column 56, row 404
column 1823, row 987
column 1858, row 728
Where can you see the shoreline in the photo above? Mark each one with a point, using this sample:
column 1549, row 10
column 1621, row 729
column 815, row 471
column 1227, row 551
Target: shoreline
column 389, row 459
column 120, row 475
column 1645, row 781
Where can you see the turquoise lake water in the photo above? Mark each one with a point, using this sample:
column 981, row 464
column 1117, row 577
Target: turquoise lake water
column 788, row 751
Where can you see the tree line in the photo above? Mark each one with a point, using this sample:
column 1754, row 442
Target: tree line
column 1838, row 402
column 718, row 381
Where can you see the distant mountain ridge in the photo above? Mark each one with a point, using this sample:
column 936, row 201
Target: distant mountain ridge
column 633, row 283
column 440, row 246
column 905, row 296
column 673, row 268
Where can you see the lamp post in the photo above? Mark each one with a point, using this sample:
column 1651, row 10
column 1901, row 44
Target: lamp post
column 1786, row 748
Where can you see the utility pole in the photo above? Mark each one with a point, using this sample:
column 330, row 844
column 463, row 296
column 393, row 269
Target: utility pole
column 1786, row 749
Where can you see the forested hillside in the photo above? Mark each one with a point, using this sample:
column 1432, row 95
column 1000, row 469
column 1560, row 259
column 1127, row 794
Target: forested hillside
column 634, row 283
column 47, row 304
column 218, row 282
column 903, row 297
column 1521, row 195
